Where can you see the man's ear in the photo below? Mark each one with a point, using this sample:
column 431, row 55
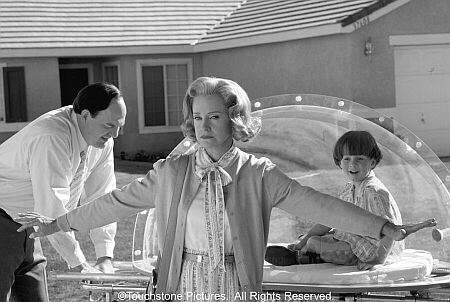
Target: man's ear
column 85, row 114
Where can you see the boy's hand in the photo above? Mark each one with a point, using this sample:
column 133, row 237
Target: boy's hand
column 299, row 244
column 364, row 266
column 296, row 246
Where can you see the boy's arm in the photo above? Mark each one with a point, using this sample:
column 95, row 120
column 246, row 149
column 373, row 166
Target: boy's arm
column 316, row 230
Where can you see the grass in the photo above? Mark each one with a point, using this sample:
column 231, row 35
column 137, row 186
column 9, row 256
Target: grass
column 70, row 291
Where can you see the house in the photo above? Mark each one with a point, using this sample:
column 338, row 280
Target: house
column 391, row 55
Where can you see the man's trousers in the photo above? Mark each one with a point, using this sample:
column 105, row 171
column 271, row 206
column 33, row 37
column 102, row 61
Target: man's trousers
column 22, row 264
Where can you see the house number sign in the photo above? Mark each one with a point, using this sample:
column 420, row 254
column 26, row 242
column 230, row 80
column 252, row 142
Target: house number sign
column 361, row 22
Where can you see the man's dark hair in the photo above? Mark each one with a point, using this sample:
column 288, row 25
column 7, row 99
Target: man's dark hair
column 95, row 97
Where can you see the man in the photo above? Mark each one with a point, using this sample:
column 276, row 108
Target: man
column 61, row 159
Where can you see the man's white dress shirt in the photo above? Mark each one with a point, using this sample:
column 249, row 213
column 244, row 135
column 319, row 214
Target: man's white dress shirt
column 37, row 165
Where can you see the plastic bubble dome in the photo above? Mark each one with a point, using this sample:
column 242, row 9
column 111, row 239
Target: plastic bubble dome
column 298, row 134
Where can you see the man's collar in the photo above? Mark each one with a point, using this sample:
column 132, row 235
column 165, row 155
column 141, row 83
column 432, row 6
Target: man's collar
column 80, row 139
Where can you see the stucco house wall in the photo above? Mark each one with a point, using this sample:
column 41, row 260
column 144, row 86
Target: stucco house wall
column 331, row 65
column 315, row 65
column 373, row 81
column 132, row 141
column 42, row 94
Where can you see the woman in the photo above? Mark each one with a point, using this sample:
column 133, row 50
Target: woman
column 223, row 215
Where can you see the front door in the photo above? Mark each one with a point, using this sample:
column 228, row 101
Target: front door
column 71, row 81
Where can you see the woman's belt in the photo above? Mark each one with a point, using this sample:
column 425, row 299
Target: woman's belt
column 204, row 258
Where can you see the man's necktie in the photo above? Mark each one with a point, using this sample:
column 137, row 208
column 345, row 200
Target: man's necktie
column 76, row 186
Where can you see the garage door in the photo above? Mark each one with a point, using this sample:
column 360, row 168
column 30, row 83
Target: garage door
column 422, row 83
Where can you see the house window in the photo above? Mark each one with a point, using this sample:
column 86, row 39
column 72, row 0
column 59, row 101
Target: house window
column 162, row 85
column 15, row 104
column 111, row 73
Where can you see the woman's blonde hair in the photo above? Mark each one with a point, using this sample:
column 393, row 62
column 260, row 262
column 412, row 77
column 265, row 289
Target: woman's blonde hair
column 244, row 126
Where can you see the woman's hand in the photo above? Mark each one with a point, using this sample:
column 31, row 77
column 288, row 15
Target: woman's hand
column 42, row 225
column 400, row 232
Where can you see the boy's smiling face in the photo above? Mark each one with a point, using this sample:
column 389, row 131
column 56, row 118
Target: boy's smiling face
column 357, row 167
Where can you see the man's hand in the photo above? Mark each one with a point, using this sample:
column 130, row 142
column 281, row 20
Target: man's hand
column 400, row 232
column 42, row 225
column 85, row 268
column 105, row 265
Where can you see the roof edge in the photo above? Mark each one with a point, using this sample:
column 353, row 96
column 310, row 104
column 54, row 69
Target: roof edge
column 352, row 23
column 298, row 34
column 374, row 11
column 365, row 11
column 94, row 51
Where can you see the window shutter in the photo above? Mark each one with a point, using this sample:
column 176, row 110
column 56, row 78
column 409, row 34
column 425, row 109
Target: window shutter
column 15, row 96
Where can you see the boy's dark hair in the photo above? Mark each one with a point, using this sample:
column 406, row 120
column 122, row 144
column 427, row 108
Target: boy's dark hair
column 95, row 97
column 356, row 143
